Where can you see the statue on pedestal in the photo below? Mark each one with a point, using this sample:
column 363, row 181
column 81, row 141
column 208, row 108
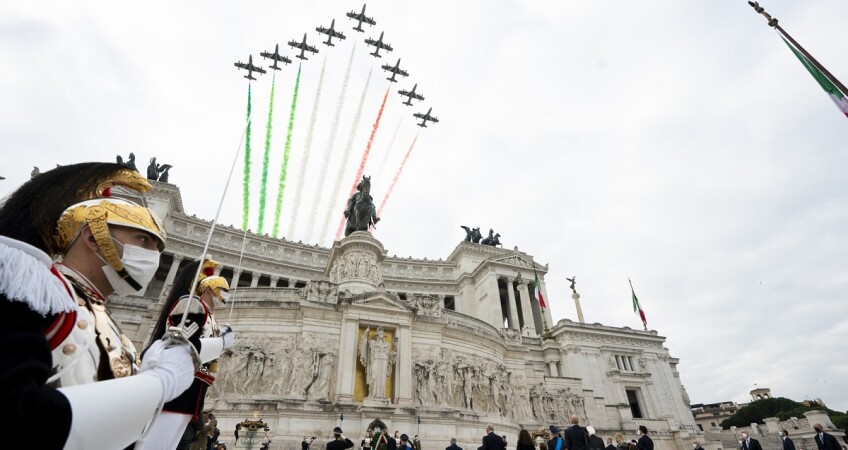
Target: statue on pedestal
column 360, row 212
column 378, row 360
column 472, row 234
column 493, row 239
column 154, row 170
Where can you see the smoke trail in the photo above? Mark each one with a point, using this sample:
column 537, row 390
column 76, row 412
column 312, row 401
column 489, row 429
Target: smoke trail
column 264, row 188
column 286, row 153
column 334, row 128
column 298, row 193
column 337, row 187
column 394, row 180
column 365, row 155
column 246, row 182
column 389, row 149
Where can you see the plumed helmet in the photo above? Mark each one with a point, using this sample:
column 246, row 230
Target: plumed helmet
column 217, row 284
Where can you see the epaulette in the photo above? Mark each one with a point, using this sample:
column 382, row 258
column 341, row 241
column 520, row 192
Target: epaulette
column 27, row 276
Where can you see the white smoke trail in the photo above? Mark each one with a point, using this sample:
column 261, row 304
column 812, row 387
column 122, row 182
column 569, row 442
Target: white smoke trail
column 334, row 207
column 334, row 129
column 298, row 193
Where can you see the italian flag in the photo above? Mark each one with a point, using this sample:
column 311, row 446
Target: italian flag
column 539, row 290
column 636, row 306
column 829, row 86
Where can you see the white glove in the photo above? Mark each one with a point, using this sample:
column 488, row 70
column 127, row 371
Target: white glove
column 172, row 363
column 228, row 335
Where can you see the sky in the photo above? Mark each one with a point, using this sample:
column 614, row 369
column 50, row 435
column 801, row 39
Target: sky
column 680, row 144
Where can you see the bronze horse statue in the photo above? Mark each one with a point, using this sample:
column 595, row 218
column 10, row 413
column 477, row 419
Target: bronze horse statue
column 361, row 213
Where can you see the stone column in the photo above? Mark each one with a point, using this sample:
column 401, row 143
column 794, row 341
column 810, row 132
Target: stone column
column 274, row 281
column 346, row 370
column 553, row 367
column 526, row 309
column 172, row 273
column 235, row 280
column 513, row 310
column 404, row 367
column 254, row 280
column 576, row 297
column 493, row 304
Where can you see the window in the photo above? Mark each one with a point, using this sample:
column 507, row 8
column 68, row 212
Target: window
column 625, row 363
column 450, row 303
column 402, row 296
column 700, row 427
column 633, row 399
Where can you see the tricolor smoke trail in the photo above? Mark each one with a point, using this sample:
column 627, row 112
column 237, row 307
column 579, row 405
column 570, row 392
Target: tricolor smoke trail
column 334, row 128
column 246, row 182
column 389, row 149
column 298, row 192
column 365, row 154
column 263, row 189
column 394, row 180
column 286, row 154
column 337, row 187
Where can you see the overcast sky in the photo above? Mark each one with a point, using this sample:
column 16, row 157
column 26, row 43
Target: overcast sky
column 678, row 143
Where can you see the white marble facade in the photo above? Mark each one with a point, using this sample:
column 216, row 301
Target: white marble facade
column 470, row 343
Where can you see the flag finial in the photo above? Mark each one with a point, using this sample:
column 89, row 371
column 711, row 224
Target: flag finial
column 772, row 22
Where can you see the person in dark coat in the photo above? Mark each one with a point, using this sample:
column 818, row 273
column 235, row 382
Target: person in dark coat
column 610, row 445
column 787, row 443
column 556, row 442
column 575, row 437
column 696, row 444
column 453, row 445
column 404, row 443
column 339, row 442
column 525, row 441
column 646, row 443
column 749, row 443
column 492, row 441
column 595, row 442
column 825, row 441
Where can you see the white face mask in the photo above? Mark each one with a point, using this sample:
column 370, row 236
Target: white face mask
column 225, row 296
column 141, row 264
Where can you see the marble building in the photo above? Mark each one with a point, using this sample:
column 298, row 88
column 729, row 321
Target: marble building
column 437, row 348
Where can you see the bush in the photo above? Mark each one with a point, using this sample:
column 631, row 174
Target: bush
column 782, row 408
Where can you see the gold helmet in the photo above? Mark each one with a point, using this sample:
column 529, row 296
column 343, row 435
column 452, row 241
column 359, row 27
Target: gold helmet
column 98, row 214
column 218, row 284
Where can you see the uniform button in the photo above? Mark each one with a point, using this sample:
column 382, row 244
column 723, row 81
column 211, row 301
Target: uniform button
column 82, row 324
column 69, row 349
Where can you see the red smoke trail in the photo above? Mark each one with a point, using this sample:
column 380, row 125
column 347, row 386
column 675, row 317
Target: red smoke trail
column 365, row 157
column 394, row 180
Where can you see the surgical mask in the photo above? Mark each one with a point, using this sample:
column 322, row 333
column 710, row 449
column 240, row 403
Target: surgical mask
column 225, row 296
column 694, row 445
column 141, row 264
column 744, row 436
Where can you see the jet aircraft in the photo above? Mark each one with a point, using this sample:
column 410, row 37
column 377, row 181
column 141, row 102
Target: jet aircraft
column 276, row 57
column 250, row 68
column 378, row 45
column 411, row 95
column 361, row 17
column 331, row 33
column 303, row 46
column 395, row 70
column 425, row 117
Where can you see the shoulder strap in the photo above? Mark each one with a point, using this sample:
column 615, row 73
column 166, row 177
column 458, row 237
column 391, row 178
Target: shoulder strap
column 559, row 443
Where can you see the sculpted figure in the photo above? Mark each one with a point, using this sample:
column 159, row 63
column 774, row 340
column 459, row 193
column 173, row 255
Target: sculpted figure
column 320, row 389
column 360, row 212
column 378, row 360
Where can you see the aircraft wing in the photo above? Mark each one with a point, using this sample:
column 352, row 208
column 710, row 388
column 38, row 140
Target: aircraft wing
column 321, row 30
column 240, row 65
column 433, row 119
column 402, row 73
column 419, row 115
column 368, row 20
column 294, row 44
column 338, row 34
column 266, row 55
column 370, row 41
column 312, row 49
column 417, row 96
column 258, row 69
column 353, row 15
column 384, row 46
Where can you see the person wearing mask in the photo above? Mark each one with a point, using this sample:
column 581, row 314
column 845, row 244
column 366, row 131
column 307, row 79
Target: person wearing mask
column 696, row 444
column 168, row 431
column 525, row 441
column 645, row 442
column 65, row 245
column 453, row 445
column 787, row 443
column 825, row 441
column 749, row 443
column 595, row 442
column 339, row 442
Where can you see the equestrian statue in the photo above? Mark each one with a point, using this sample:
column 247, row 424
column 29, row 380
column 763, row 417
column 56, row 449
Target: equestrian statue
column 361, row 213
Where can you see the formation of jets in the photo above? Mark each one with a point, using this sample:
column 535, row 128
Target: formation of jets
column 332, row 33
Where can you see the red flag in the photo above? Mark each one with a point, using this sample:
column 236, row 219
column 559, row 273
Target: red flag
column 539, row 290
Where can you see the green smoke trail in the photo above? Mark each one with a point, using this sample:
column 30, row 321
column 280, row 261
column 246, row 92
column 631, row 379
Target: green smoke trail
column 264, row 188
column 246, row 183
column 286, row 153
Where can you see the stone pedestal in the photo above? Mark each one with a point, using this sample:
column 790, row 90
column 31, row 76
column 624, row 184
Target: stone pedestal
column 576, row 298
column 354, row 263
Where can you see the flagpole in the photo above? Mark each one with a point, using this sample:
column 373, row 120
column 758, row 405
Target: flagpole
column 773, row 22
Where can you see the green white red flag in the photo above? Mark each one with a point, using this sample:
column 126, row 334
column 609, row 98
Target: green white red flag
column 637, row 308
column 539, row 290
column 829, row 86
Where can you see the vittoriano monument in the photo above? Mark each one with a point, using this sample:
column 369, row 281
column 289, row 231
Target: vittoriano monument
column 361, row 213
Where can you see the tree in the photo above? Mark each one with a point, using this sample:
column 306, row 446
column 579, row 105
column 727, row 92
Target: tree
column 782, row 408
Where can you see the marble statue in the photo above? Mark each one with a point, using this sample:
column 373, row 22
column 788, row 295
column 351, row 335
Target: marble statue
column 378, row 359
